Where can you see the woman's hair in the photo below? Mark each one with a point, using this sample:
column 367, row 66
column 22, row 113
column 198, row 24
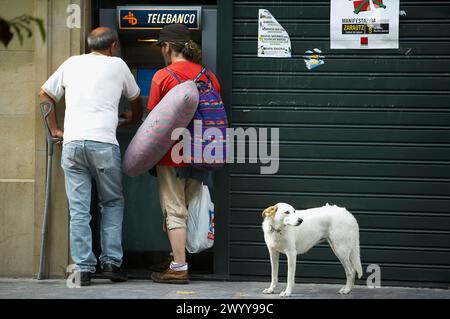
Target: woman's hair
column 190, row 50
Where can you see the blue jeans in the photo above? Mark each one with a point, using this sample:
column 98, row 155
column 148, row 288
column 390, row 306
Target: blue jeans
column 84, row 162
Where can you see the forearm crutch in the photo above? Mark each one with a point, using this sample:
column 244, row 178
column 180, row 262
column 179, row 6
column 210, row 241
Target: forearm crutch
column 46, row 108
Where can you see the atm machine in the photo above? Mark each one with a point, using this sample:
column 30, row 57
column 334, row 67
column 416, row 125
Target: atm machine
column 138, row 27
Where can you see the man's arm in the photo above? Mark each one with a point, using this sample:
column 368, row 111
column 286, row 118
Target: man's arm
column 52, row 91
column 51, row 118
column 133, row 93
column 134, row 116
column 136, row 109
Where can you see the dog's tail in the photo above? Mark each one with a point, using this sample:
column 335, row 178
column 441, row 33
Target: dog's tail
column 355, row 259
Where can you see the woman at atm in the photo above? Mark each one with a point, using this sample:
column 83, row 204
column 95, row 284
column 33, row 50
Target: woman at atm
column 177, row 183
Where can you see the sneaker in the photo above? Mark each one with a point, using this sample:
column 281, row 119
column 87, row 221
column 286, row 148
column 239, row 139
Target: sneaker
column 162, row 266
column 114, row 273
column 170, row 276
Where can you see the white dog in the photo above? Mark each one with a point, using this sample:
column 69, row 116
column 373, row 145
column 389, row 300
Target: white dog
column 293, row 232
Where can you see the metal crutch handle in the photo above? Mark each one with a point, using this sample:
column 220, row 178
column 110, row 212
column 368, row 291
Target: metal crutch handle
column 46, row 107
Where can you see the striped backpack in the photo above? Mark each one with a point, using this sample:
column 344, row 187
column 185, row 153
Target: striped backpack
column 207, row 152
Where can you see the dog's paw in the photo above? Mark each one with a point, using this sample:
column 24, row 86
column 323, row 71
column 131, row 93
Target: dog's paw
column 268, row 291
column 344, row 291
column 285, row 293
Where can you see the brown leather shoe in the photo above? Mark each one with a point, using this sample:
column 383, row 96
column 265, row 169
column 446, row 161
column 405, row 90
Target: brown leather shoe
column 170, row 276
column 161, row 266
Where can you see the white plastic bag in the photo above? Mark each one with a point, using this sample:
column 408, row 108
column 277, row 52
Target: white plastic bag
column 200, row 223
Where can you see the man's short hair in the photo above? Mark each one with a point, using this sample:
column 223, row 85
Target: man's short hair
column 103, row 40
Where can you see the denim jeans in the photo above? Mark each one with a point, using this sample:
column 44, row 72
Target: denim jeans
column 84, row 162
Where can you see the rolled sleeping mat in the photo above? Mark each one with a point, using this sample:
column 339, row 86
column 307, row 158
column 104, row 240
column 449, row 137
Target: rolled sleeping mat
column 153, row 138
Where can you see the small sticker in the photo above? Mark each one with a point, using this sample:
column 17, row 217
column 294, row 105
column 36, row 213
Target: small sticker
column 313, row 59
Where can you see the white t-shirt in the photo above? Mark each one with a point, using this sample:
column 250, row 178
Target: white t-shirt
column 93, row 84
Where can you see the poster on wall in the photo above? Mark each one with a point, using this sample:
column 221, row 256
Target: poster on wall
column 273, row 40
column 364, row 24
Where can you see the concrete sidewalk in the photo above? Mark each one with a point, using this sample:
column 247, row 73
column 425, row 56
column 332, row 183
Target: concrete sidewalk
column 136, row 289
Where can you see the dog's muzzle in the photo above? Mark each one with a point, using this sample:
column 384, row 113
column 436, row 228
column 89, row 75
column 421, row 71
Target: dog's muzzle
column 299, row 221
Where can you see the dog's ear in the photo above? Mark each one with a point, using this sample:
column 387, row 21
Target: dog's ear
column 269, row 211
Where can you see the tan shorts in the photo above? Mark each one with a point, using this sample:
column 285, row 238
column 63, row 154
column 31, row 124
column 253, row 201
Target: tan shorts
column 175, row 195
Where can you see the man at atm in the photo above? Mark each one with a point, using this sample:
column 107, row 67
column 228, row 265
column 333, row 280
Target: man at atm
column 93, row 84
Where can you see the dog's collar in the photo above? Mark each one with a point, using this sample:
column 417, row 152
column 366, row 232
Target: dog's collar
column 274, row 230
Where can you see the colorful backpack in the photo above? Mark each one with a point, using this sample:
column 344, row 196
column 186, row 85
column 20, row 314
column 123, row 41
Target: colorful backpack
column 210, row 114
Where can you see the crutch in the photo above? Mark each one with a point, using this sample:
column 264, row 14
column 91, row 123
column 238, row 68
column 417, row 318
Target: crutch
column 46, row 108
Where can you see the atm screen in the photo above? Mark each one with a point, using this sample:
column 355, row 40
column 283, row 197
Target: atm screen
column 144, row 80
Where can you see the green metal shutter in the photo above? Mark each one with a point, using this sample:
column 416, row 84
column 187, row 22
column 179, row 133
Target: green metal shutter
column 369, row 130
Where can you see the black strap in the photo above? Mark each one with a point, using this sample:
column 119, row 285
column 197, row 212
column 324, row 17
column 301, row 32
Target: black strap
column 174, row 75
